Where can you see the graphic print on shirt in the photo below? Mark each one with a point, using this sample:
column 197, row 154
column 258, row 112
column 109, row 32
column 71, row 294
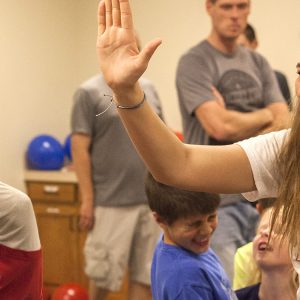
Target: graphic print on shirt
column 238, row 87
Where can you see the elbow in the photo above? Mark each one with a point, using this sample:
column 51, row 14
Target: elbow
column 164, row 178
column 224, row 132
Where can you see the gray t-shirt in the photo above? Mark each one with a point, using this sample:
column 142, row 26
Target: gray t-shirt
column 117, row 170
column 244, row 79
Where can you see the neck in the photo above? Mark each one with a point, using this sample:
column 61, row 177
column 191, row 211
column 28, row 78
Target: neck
column 225, row 45
column 276, row 286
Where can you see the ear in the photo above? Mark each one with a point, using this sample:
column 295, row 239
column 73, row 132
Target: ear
column 157, row 217
column 159, row 220
column 254, row 44
column 208, row 5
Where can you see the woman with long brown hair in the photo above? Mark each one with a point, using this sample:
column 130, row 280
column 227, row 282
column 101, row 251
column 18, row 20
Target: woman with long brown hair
column 264, row 166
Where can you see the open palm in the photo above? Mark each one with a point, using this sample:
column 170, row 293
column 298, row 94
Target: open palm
column 120, row 60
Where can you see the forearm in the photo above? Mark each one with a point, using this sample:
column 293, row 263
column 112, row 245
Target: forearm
column 282, row 118
column 202, row 168
column 154, row 141
column 238, row 126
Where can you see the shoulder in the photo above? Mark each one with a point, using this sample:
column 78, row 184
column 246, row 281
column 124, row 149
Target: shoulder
column 244, row 250
column 12, row 196
column 17, row 214
column 265, row 147
column 186, row 266
column 200, row 53
column 93, row 82
column 93, row 88
column 272, row 141
column 280, row 76
column 90, row 92
column 258, row 58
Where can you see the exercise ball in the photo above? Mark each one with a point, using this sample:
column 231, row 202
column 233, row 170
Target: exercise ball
column 70, row 291
column 45, row 153
column 67, row 147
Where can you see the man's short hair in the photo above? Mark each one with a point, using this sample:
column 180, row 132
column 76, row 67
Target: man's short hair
column 249, row 33
column 172, row 204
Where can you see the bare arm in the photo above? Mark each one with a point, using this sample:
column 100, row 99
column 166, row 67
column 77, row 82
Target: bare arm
column 219, row 169
column 281, row 117
column 82, row 164
column 228, row 125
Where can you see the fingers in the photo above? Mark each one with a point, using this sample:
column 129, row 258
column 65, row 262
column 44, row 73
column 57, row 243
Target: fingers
column 116, row 14
column 108, row 13
column 86, row 223
column 101, row 17
column 126, row 15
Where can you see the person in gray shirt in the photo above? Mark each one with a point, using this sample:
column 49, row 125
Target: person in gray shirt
column 249, row 39
column 122, row 233
column 228, row 93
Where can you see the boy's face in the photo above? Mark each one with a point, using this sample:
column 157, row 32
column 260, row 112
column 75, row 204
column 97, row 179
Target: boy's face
column 192, row 233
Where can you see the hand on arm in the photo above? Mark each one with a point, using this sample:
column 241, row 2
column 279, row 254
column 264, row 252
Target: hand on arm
column 229, row 125
column 82, row 164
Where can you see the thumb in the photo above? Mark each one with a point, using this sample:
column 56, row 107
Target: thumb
column 149, row 49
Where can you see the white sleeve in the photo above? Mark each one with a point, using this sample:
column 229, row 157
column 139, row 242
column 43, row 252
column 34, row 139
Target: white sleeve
column 262, row 152
column 18, row 228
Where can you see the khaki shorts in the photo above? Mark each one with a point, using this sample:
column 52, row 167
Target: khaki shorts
column 122, row 237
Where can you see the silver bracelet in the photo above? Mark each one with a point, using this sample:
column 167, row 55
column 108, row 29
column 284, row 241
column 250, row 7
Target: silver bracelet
column 133, row 106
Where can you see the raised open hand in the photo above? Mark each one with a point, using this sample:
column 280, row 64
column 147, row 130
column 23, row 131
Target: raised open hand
column 119, row 58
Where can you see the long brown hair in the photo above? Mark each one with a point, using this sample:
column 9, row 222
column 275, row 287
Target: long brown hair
column 288, row 202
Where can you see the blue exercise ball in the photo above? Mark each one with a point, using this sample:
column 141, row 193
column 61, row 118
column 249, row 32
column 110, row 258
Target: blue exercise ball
column 67, row 147
column 45, row 153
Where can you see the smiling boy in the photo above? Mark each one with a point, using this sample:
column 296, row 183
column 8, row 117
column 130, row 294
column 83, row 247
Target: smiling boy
column 184, row 266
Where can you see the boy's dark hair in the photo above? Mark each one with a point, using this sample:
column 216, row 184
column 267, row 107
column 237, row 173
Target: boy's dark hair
column 249, row 33
column 171, row 203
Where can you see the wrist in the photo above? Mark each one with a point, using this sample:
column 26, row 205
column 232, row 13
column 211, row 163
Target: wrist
column 129, row 96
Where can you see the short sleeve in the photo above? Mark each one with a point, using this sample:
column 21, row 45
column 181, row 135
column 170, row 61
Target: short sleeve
column 262, row 152
column 83, row 114
column 18, row 227
column 194, row 79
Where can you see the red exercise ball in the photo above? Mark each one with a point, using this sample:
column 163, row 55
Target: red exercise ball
column 70, row 291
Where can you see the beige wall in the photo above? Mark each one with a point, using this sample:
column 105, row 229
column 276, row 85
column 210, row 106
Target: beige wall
column 48, row 47
column 44, row 54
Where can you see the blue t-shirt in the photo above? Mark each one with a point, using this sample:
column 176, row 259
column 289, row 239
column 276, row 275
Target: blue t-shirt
column 178, row 274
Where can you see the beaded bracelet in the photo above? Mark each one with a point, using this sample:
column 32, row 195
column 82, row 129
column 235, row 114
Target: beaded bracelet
column 133, row 106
